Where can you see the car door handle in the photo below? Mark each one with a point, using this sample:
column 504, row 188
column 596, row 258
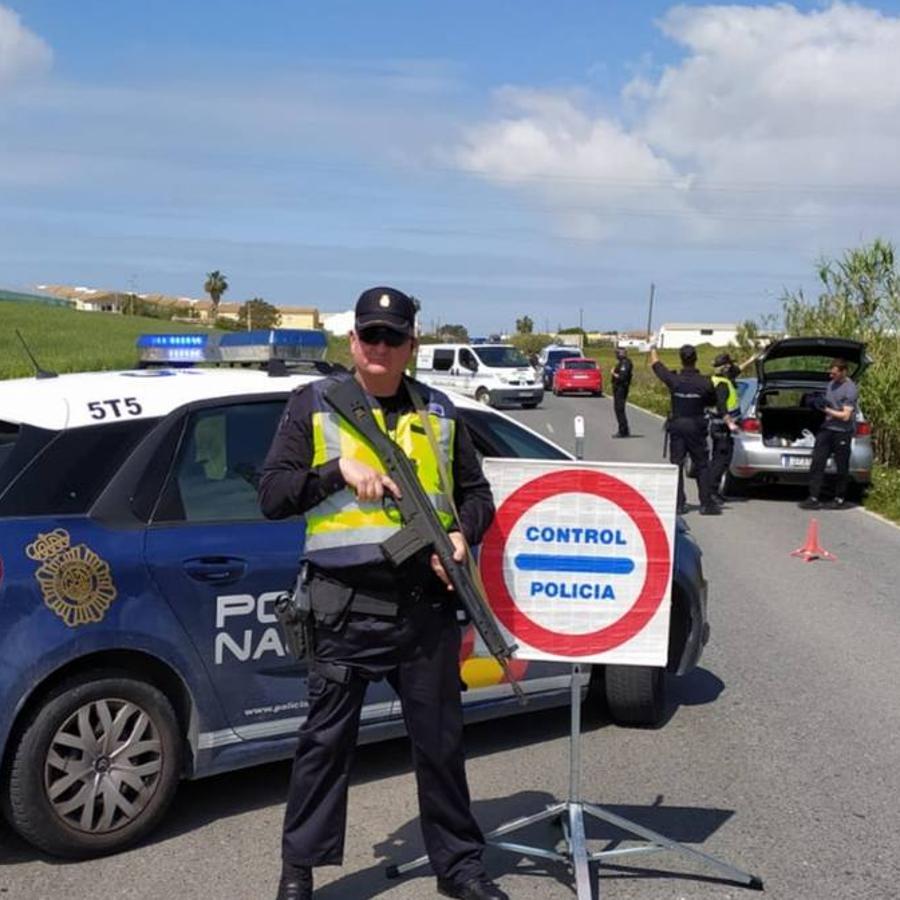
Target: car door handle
column 215, row 569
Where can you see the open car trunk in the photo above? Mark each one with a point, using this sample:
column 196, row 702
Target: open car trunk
column 789, row 416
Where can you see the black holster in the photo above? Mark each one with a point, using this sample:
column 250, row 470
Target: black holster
column 293, row 611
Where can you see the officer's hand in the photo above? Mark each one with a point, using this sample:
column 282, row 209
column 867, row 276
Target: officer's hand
column 459, row 554
column 365, row 482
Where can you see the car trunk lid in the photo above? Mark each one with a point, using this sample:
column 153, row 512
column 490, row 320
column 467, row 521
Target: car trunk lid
column 808, row 358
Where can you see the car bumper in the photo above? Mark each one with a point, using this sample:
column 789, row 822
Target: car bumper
column 516, row 395
column 752, row 459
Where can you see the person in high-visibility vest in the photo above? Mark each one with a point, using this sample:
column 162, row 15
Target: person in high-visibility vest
column 722, row 427
column 372, row 620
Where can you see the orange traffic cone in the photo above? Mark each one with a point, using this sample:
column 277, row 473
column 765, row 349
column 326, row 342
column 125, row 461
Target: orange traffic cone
column 811, row 549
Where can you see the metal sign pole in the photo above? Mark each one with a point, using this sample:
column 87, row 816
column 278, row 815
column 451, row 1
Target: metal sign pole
column 571, row 815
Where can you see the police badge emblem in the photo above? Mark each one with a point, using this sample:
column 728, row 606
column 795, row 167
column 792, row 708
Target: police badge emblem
column 75, row 582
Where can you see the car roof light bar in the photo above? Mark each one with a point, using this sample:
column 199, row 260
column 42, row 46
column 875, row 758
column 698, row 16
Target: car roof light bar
column 289, row 345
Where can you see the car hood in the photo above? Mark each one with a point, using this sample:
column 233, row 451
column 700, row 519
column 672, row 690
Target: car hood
column 807, row 358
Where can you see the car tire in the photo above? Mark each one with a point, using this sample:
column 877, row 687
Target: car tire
column 530, row 405
column 109, row 725
column 483, row 396
column 636, row 695
column 731, row 486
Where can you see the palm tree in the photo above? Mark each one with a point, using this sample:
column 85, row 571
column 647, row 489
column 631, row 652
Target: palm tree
column 215, row 285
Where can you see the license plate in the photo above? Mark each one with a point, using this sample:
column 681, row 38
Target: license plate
column 796, row 462
column 525, row 394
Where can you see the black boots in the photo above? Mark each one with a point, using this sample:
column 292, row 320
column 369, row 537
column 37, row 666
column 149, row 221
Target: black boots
column 477, row 889
column 296, row 883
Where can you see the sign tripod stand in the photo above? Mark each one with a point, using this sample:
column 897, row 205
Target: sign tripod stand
column 572, row 815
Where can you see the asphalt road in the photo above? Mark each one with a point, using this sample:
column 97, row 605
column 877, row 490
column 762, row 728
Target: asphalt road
column 780, row 754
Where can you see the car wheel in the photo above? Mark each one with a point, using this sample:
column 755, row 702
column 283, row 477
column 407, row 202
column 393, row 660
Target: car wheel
column 529, row 406
column 731, row 486
column 483, row 395
column 96, row 766
column 636, row 695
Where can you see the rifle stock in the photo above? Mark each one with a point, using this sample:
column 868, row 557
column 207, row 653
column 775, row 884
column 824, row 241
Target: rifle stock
column 421, row 526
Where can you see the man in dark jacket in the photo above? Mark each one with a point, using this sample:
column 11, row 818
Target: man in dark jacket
column 373, row 620
column 621, row 378
column 691, row 394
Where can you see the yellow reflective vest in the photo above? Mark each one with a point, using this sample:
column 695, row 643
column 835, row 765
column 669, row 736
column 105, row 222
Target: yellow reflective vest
column 343, row 531
column 733, row 403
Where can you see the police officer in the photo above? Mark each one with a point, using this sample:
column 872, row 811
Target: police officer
column 721, row 428
column 372, row 620
column 621, row 376
column 691, row 394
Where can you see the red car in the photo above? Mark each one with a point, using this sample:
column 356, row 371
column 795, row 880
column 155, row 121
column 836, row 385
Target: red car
column 578, row 374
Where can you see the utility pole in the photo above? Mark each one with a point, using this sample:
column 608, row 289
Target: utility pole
column 650, row 311
column 581, row 317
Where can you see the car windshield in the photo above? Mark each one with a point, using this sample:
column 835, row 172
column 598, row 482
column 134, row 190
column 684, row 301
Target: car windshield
column 580, row 364
column 501, row 357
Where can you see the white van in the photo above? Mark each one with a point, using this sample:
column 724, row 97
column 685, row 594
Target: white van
column 493, row 374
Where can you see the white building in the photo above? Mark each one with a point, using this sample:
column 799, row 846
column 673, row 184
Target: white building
column 339, row 324
column 672, row 336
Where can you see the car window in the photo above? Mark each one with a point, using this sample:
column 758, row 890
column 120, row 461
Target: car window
column 580, row 364
column 467, row 360
column 443, row 360
column 217, row 470
column 494, row 435
column 502, row 357
column 66, row 470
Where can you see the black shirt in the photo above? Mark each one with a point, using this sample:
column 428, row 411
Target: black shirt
column 691, row 392
column 622, row 373
column 290, row 484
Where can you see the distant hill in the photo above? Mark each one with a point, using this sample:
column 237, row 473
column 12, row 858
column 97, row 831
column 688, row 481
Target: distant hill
column 19, row 297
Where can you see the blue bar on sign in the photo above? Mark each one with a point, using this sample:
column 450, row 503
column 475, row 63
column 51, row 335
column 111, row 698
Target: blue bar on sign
column 597, row 565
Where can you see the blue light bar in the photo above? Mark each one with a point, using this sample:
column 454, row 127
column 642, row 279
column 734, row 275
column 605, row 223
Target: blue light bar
column 287, row 344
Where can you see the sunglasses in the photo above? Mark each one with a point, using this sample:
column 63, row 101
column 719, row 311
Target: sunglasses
column 380, row 334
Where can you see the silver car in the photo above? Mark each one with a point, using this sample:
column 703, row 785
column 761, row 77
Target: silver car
column 780, row 415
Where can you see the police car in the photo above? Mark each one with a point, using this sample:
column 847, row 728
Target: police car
column 138, row 644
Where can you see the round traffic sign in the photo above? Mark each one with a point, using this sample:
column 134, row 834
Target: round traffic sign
column 576, row 481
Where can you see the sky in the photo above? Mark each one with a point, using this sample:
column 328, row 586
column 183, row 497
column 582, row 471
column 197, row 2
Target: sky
column 495, row 159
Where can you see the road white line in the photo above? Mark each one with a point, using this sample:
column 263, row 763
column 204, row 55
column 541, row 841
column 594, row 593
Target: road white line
column 550, row 428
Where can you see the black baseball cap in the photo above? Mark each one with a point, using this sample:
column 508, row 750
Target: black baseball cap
column 687, row 351
column 388, row 307
column 723, row 359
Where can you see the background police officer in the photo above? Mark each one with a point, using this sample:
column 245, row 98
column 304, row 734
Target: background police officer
column 621, row 376
column 721, row 428
column 372, row 620
column 691, row 394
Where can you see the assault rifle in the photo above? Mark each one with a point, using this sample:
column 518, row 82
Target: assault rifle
column 422, row 527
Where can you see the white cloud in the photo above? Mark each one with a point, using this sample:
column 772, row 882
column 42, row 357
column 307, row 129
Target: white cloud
column 771, row 113
column 22, row 52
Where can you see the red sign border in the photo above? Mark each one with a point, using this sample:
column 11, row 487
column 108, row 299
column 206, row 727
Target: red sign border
column 576, row 481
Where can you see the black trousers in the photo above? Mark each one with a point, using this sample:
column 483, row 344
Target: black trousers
column 830, row 443
column 620, row 396
column 419, row 655
column 687, row 437
column 720, row 455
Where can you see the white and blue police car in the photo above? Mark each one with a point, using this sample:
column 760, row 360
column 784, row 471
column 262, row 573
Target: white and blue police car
column 138, row 644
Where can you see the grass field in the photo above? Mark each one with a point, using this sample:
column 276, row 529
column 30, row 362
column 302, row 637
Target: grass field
column 65, row 340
